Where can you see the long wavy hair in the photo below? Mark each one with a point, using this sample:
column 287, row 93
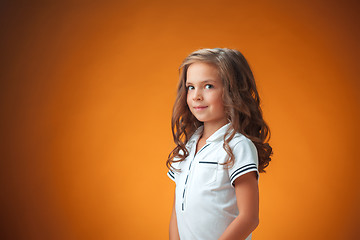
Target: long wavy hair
column 241, row 103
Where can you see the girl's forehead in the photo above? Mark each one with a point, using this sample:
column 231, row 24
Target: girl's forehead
column 200, row 71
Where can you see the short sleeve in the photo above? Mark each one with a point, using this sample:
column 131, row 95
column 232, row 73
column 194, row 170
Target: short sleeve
column 172, row 174
column 246, row 160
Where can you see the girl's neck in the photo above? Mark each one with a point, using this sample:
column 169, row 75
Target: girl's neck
column 211, row 128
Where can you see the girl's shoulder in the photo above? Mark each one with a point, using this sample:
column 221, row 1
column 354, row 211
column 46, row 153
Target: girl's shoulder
column 239, row 138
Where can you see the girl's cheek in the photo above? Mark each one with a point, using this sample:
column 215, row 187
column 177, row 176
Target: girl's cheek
column 188, row 98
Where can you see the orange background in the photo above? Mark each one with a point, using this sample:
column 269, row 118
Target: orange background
column 86, row 96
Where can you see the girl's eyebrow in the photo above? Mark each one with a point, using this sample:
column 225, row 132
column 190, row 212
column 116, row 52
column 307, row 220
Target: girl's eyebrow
column 205, row 81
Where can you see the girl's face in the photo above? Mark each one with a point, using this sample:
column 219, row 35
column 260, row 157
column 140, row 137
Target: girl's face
column 204, row 93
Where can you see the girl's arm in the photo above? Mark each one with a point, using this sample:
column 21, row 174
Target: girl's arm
column 173, row 229
column 247, row 197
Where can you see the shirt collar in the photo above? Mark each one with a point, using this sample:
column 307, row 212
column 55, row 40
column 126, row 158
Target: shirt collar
column 218, row 135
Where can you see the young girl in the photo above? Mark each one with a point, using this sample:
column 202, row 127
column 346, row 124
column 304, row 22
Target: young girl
column 221, row 148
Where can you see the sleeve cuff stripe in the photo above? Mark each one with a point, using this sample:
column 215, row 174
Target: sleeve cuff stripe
column 240, row 169
column 233, row 177
column 171, row 175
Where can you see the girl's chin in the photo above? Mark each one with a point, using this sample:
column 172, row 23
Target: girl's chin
column 201, row 120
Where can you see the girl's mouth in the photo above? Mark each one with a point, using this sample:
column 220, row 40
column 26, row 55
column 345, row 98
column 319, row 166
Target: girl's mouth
column 200, row 108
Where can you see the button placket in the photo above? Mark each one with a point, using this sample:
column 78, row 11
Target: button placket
column 187, row 176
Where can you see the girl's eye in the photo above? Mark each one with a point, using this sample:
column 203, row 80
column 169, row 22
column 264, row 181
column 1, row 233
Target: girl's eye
column 208, row 86
column 190, row 87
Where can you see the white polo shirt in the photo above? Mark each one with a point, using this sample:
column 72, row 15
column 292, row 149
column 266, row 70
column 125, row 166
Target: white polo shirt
column 205, row 195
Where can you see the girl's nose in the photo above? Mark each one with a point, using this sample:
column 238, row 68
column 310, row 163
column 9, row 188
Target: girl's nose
column 198, row 96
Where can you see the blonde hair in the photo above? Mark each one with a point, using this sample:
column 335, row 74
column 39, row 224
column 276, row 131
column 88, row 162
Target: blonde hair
column 241, row 102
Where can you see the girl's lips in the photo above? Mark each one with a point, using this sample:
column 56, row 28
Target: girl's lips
column 200, row 108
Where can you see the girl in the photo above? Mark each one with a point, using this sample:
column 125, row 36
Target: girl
column 220, row 136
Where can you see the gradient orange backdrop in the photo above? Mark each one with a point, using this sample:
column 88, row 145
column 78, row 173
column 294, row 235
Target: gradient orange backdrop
column 86, row 96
